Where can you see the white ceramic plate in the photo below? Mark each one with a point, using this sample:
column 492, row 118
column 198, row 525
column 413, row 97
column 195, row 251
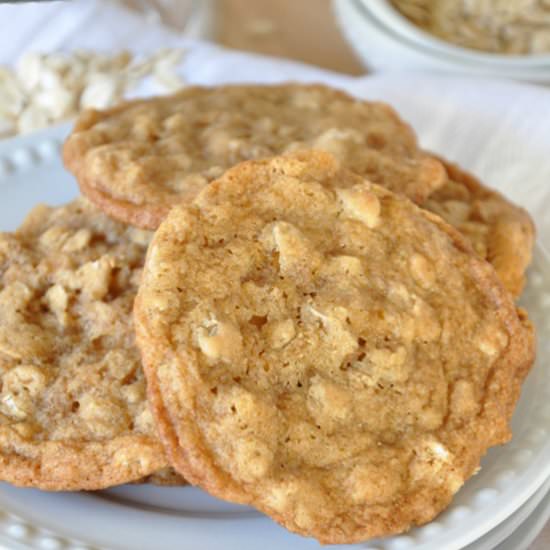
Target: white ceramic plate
column 517, row 526
column 530, row 529
column 150, row 518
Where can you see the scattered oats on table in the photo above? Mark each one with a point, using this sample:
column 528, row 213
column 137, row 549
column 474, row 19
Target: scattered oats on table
column 515, row 27
column 44, row 89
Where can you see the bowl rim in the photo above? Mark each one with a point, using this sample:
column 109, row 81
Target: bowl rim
column 359, row 25
column 393, row 19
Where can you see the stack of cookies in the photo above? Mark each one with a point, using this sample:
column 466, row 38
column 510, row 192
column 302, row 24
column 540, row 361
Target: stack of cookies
column 325, row 325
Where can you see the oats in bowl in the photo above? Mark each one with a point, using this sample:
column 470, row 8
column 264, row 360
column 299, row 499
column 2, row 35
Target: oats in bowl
column 514, row 27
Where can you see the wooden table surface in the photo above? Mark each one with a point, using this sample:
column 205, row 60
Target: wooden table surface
column 298, row 29
column 304, row 30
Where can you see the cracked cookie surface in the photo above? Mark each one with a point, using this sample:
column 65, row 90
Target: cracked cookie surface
column 324, row 350
column 73, row 413
column 137, row 160
column 500, row 231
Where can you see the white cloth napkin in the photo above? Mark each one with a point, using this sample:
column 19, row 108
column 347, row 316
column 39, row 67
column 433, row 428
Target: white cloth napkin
column 499, row 130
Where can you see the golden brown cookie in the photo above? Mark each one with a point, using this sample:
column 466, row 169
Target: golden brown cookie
column 324, row 350
column 137, row 160
column 73, row 413
column 500, row 231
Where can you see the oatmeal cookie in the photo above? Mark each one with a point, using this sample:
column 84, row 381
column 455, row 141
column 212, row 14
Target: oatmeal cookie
column 324, row 350
column 137, row 160
column 500, row 231
column 73, row 413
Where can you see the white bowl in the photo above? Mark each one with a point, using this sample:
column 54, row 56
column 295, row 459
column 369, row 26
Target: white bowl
column 393, row 19
column 385, row 40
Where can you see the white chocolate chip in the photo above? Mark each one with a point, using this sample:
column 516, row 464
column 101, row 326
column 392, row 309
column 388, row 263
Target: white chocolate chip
column 373, row 484
column 344, row 265
column 281, row 333
column 340, row 340
column 252, row 459
column 440, row 451
column 280, row 496
column 360, row 204
column 104, row 416
column 327, row 402
column 297, row 254
column 220, row 340
column 389, row 365
column 57, row 299
column 491, row 341
column 336, row 140
column 144, row 421
column 430, row 457
column 422, row 270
